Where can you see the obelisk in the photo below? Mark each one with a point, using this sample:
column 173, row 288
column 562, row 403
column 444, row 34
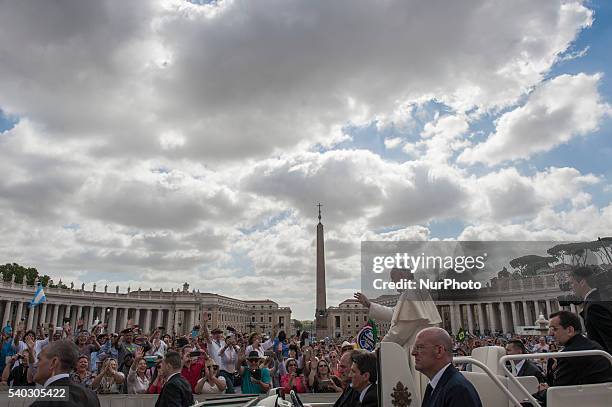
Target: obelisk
column 321, row 307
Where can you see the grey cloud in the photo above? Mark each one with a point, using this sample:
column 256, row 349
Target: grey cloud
column 260, row 77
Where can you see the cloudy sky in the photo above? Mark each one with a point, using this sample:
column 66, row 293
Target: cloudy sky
column 148, row 143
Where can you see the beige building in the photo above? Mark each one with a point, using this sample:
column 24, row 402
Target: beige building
column 504, row 305
column 177, row 310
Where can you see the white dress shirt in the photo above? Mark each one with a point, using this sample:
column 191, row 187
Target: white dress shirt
column 518, row 366
column 434, row 380
column 363, row 393
column 55, row 378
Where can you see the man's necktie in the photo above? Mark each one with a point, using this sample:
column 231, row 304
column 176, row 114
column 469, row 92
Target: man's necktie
column 427, row 396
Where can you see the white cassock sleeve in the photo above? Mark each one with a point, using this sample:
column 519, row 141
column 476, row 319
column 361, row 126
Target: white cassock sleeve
column 380, row 312
column 404, row 332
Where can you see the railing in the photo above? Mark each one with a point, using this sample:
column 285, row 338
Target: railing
column 532, row 400
column 485, row 368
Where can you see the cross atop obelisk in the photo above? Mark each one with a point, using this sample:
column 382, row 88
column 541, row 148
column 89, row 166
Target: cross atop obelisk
column 321, row 306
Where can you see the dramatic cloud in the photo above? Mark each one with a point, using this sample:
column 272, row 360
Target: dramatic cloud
column 564, row 107
column 156, row 142
column 233, row 79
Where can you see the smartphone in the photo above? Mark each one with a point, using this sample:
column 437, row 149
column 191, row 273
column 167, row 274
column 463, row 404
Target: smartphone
column 195, row 354
column 307, row 342
column 256, row 374
column 299, row 371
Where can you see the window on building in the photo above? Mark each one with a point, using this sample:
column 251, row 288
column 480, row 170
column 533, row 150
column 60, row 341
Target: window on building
column 337, row 318
column 269, row 319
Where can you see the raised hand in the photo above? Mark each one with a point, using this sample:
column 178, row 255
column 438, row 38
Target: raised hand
column 30, row 343
column 362, row 299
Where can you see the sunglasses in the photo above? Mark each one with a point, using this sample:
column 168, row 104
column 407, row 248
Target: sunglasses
column 323, row 366
column 213, row 367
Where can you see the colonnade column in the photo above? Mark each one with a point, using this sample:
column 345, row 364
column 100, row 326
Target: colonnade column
column 80, row 316
column 36, row 315
column 30, row 318
column 548, row 309
column 453, row 318
column 147, row 322
column 112, row 323
column 159, row 320
column 536, row 305
column 55, row 314
column 137, row 317
column 7, row 312
column 470, row 317
column 43, row 314
column 527, row 314
column 170, row 327
column 491, row 315
column 504, row 317
column 481, row 320
column 514, row 315
column 124, row 318
column 19, row 312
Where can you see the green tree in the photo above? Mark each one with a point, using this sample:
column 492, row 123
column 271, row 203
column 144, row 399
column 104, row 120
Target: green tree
column 503, row 273
column 529, row 265
column 297, row 324
column 28, row 273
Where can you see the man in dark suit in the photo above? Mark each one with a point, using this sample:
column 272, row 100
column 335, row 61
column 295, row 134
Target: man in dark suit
column 349, row 397
column 177, row 390
column 523, row 367
column 596, row 311
column 55, row 362
column 433, row 356
column 566, row 328
column 363, row 378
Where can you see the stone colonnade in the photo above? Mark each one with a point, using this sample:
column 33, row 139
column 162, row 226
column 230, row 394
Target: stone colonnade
column 501, row 316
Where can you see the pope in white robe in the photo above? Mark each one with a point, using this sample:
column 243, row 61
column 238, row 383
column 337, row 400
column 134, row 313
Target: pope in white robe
column 414, row 311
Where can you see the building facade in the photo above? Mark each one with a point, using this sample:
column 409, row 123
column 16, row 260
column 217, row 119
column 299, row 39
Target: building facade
column 504, row 305
column 176, row 311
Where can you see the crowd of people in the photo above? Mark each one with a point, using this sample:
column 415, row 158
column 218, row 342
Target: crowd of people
column 228, row 361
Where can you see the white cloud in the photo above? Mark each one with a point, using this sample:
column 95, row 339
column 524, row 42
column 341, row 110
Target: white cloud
column 557, row 111
column 240, row 80
column 163, row 142
column 391, row 143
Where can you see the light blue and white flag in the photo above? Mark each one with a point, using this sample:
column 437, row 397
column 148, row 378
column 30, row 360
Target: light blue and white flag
column 39, row 296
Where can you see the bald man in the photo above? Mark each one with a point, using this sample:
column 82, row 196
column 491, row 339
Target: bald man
column 433, row 356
